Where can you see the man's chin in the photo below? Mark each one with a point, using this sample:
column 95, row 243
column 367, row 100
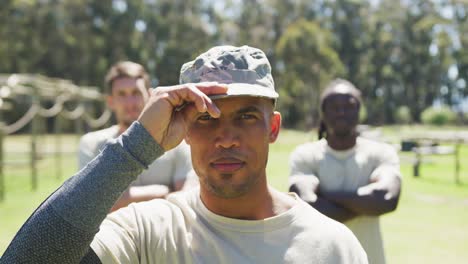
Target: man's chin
column 225, row 189
column 344, row 133
column 224, row 185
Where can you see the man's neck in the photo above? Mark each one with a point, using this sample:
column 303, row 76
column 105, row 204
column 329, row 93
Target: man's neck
column 264, row 202
column 341, row 143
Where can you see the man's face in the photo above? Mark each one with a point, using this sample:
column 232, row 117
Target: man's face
column 127, row 99
column 341, row 114
column 230, row 153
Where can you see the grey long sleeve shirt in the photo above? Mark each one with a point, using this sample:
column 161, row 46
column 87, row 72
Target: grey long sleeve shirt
column 64, row 225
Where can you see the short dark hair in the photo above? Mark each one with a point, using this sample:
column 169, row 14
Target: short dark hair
column 126, row 69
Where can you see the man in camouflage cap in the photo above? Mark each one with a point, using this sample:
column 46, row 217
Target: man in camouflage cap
column 224, row 108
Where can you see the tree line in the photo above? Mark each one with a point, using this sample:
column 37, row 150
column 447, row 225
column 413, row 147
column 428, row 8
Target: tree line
column 403, row 55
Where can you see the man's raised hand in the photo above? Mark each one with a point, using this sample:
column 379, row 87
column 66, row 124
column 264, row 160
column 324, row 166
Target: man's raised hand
column 161, row 117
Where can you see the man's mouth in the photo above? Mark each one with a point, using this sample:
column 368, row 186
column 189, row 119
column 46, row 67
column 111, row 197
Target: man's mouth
column 227, row 165
column 342, row 121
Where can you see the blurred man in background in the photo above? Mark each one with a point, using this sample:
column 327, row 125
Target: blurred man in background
column 127, row 85
column 347, row 177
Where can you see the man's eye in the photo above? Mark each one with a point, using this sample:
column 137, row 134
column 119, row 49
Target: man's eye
column 247, row 116
column 205, row 117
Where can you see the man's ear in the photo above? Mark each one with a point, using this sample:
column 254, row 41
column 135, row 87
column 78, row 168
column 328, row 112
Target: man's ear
column 275, row 126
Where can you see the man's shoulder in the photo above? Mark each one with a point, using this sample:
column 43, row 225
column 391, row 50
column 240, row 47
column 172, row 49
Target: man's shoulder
column 313, row 146
column 307, row 152
column 158, row 206
column 325, row 232
column 319, row 221
column 182, row 149
column 175, row 205
column 374, row 146
column 109, row 132
column 99, row 136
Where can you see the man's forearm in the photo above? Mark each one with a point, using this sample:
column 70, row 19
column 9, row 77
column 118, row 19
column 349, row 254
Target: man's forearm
column 62, row 228
column 332, row 210
column 306, row 187
column 369, row 204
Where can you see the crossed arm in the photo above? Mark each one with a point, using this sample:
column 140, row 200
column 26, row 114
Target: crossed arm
column 378, row 197
column 132, row 193
column 139, row 193
column 145, row 193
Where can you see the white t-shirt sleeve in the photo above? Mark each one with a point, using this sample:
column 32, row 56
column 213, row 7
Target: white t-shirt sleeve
column 388, row 163
column 143, row 232
column 86, row 152
column 117, row 239
column 349, row 249
column 301, row 162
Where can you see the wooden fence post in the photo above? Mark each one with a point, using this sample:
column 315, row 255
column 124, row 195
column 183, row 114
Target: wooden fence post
column 34, row 132
column 416, row 164
column 58, row 146
column 2, row 179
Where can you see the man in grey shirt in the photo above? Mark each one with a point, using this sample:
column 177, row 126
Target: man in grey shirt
column 349, row 178
column 127, row 85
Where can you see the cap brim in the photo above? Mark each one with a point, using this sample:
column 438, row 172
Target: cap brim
column 245, row 89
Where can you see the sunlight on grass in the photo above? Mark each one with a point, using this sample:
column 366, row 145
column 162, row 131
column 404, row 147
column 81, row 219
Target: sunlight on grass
column 429, row 225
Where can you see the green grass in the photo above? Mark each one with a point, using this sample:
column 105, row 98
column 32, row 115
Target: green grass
column 20, row 200
column 429, row 225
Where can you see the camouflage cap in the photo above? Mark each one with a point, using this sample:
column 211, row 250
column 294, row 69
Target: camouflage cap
column 245, row 70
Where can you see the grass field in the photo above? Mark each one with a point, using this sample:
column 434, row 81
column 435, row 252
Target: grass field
column 429, row 226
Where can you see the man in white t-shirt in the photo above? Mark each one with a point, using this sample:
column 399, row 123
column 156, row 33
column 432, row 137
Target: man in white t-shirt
column 224, row 108
column 347, row 177
column 127, row 85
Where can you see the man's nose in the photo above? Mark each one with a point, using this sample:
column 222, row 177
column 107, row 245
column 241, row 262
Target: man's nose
column 227, row 136
column 340, row 110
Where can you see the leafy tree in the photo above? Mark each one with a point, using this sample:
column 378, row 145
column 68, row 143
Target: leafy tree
column 306, row 63
column 397, row 52
column 438, row 116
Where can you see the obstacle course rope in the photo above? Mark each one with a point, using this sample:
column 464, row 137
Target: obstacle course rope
column 60, row 91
